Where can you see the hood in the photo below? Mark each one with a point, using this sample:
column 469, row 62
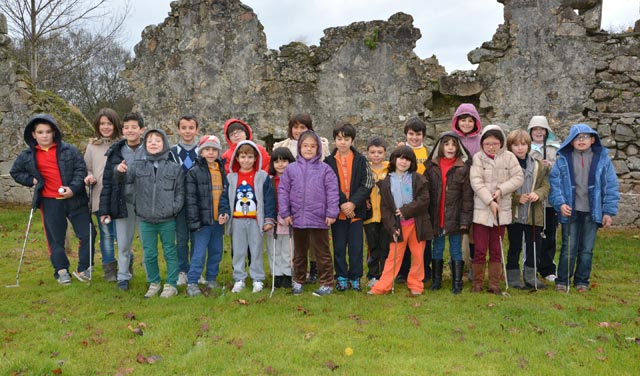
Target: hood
column 165, row 143
column 37, row 119
column 466, row 109
column 496, row 127
column 318, row 155
column 575, row 130
column 541, row 121
column 231, row 121
column 234, row 166
column 434, row 154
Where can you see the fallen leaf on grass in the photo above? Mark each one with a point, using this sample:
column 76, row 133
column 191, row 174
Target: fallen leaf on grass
column 262, row 300
column 67, row 335
column 10, row 331
column 413, row 320
column 308, row 336
column 270, row 371
column 605, row 324
column 471, row 326
column 558, row 307
column 54, row 354
column 491, row 305
column 602, row 358
column 130, row 316
column 238, row 343
column 522, row 362
column 57, row 371
column 151, row 359
column 416, row 304
column 241, row 302
column 84, row 343
column 600, row 350
column 302, row 309
column 136, row 330
column 331, row 365
column 550, row 354
column 623, row 301
column 98, row 340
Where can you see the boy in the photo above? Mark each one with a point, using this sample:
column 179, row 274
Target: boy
column 57, row 170
column 116, row 199
column 377, row 237
column 159, row 195
column 584, row 191
column 355, row 181
column 414, row 131
column 253, row 200
column 205, row 183
column 236, row 131
column 186, row 152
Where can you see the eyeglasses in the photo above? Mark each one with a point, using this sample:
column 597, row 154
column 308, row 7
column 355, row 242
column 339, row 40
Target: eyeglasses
column 235, row 133
column 491, row 144
column 583, row 136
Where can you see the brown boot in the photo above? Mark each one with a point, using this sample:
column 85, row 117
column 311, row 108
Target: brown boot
column 478, row 277
column 495, row 273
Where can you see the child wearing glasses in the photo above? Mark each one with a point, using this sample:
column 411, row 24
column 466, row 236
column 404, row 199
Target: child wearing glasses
column 235, row 131
column 495, row 174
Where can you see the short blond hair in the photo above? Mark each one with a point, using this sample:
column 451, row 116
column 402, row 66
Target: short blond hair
column 519, row 136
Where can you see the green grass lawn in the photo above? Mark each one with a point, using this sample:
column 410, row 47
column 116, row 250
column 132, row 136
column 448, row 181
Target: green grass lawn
column 91, row 329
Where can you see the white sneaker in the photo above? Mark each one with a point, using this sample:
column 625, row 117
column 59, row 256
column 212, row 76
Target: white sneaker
column 154, row 289
column 372, row 282
column 168, row 291
column 182, row 279
column 237, row 287
column 551, row 277
column 202, row 280
column 257, row 286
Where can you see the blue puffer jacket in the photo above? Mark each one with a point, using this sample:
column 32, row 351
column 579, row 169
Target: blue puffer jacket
column 73, row 170
column 603, row 182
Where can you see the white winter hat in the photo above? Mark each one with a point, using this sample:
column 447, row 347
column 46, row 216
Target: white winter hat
column 209, row 141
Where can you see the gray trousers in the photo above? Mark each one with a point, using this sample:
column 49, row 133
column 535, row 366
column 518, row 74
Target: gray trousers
column 125, row 230
column 281, row 265
column 245, row 233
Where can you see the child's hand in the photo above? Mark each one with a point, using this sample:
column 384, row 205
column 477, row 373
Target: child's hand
column 396, row 235
column 524, row 199
column 533, row 197
column 122, row 167
column 606, row 221
column 329, row 221
column 104, row 218
column 497, row 195
column 222, row 219
column 267, row 227
column 68, row 193
column 399, row 214
column 547, row 163
column 565, row 210
column 35, row 181
column 288, row 221
column 368, row 204
column 90, row 179
column 348, row 208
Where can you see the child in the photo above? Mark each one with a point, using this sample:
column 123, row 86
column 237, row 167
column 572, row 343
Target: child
column 159, row 195
column 377, row 238
column 495, row 175
column 404, row 204
column 186, row 152
column 108, row 130
column 236, row 131
column 278, row 249
column 204, row 186
column 451, row 205
column 297, row 124
column 355, row 181
column 57, row 171
column 544, row 147
column 253, row 202
column 308, row 201
column 466, row 124
column 414, row 131
column 527, row 213
column 584, row 191
column 116, row 199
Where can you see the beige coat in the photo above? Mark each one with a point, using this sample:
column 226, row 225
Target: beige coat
column 292, row 146
column 487, row 175
column 95, row 159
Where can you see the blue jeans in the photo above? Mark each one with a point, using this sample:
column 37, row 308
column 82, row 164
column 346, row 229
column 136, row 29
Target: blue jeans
column 207, row 244
column 107, row 237
column 183, row 237
column 455, row 247
column 579, row 257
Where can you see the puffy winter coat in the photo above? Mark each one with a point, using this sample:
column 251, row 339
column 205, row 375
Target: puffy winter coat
column 113, row 201
column 361, row 181
column 603, row 182
column 308, row 192
column 198, row 198
column 487, row 175
column 417, row 209
column 71, row 164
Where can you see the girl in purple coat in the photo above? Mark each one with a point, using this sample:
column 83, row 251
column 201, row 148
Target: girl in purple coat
column 308, row 201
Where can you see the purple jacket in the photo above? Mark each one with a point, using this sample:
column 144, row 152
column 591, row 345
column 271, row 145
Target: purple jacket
column 308, row 191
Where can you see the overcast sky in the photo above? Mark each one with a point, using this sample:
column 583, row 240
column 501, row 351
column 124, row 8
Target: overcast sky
column 449, row 31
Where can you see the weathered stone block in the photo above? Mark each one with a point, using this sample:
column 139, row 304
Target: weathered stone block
column 625, row 133
column 622, row 64
column 620, row 166
column 632, row 149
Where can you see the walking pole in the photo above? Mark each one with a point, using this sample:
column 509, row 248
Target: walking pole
column 90, row 269
column 24, row 246
column 535, row 255
column 291, row 250
column 395, row 252
column 569, row 254
column 504, row 265
column 273, row 261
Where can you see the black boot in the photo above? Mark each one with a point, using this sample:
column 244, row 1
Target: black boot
column 436, row 274
column 313, row 273
column 286, row 282
column 278, row 282
column 456, row 276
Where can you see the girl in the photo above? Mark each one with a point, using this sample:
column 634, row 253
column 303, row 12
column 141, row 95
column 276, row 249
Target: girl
column 527, row 212
column 495, row 174
column 404, row 203
column 280, row 257
column 299, row 123
column 308, row 201
column 451, row 205
column 108, row 130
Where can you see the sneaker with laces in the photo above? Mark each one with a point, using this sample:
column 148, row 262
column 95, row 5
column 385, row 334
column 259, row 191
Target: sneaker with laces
column 237, row 287
column 82, row 276
column 582, row 288
column 550, row 277
column 193, row 289
column 169, row 291
column 355, row 285
column 154, row 289
column 372, row 282
column 341, row 284
column 561, row 288
column 323, row 291
column 202, row 280
column 296, row 288
column 123, row 285
column 63, row 277
column 182, row 279
column 212, row 285
column 257, row 286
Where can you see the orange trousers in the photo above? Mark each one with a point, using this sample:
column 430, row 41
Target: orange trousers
column 396, row 253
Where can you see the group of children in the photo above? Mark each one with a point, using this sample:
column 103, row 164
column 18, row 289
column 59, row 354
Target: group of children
column 476, row 182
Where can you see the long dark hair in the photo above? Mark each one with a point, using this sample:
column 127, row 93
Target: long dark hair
column 280, row 153
column 113, row 118
column 403, row 152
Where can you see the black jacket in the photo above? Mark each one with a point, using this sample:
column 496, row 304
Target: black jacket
column 361, row 181
column 112, row 198
column 198, row 199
